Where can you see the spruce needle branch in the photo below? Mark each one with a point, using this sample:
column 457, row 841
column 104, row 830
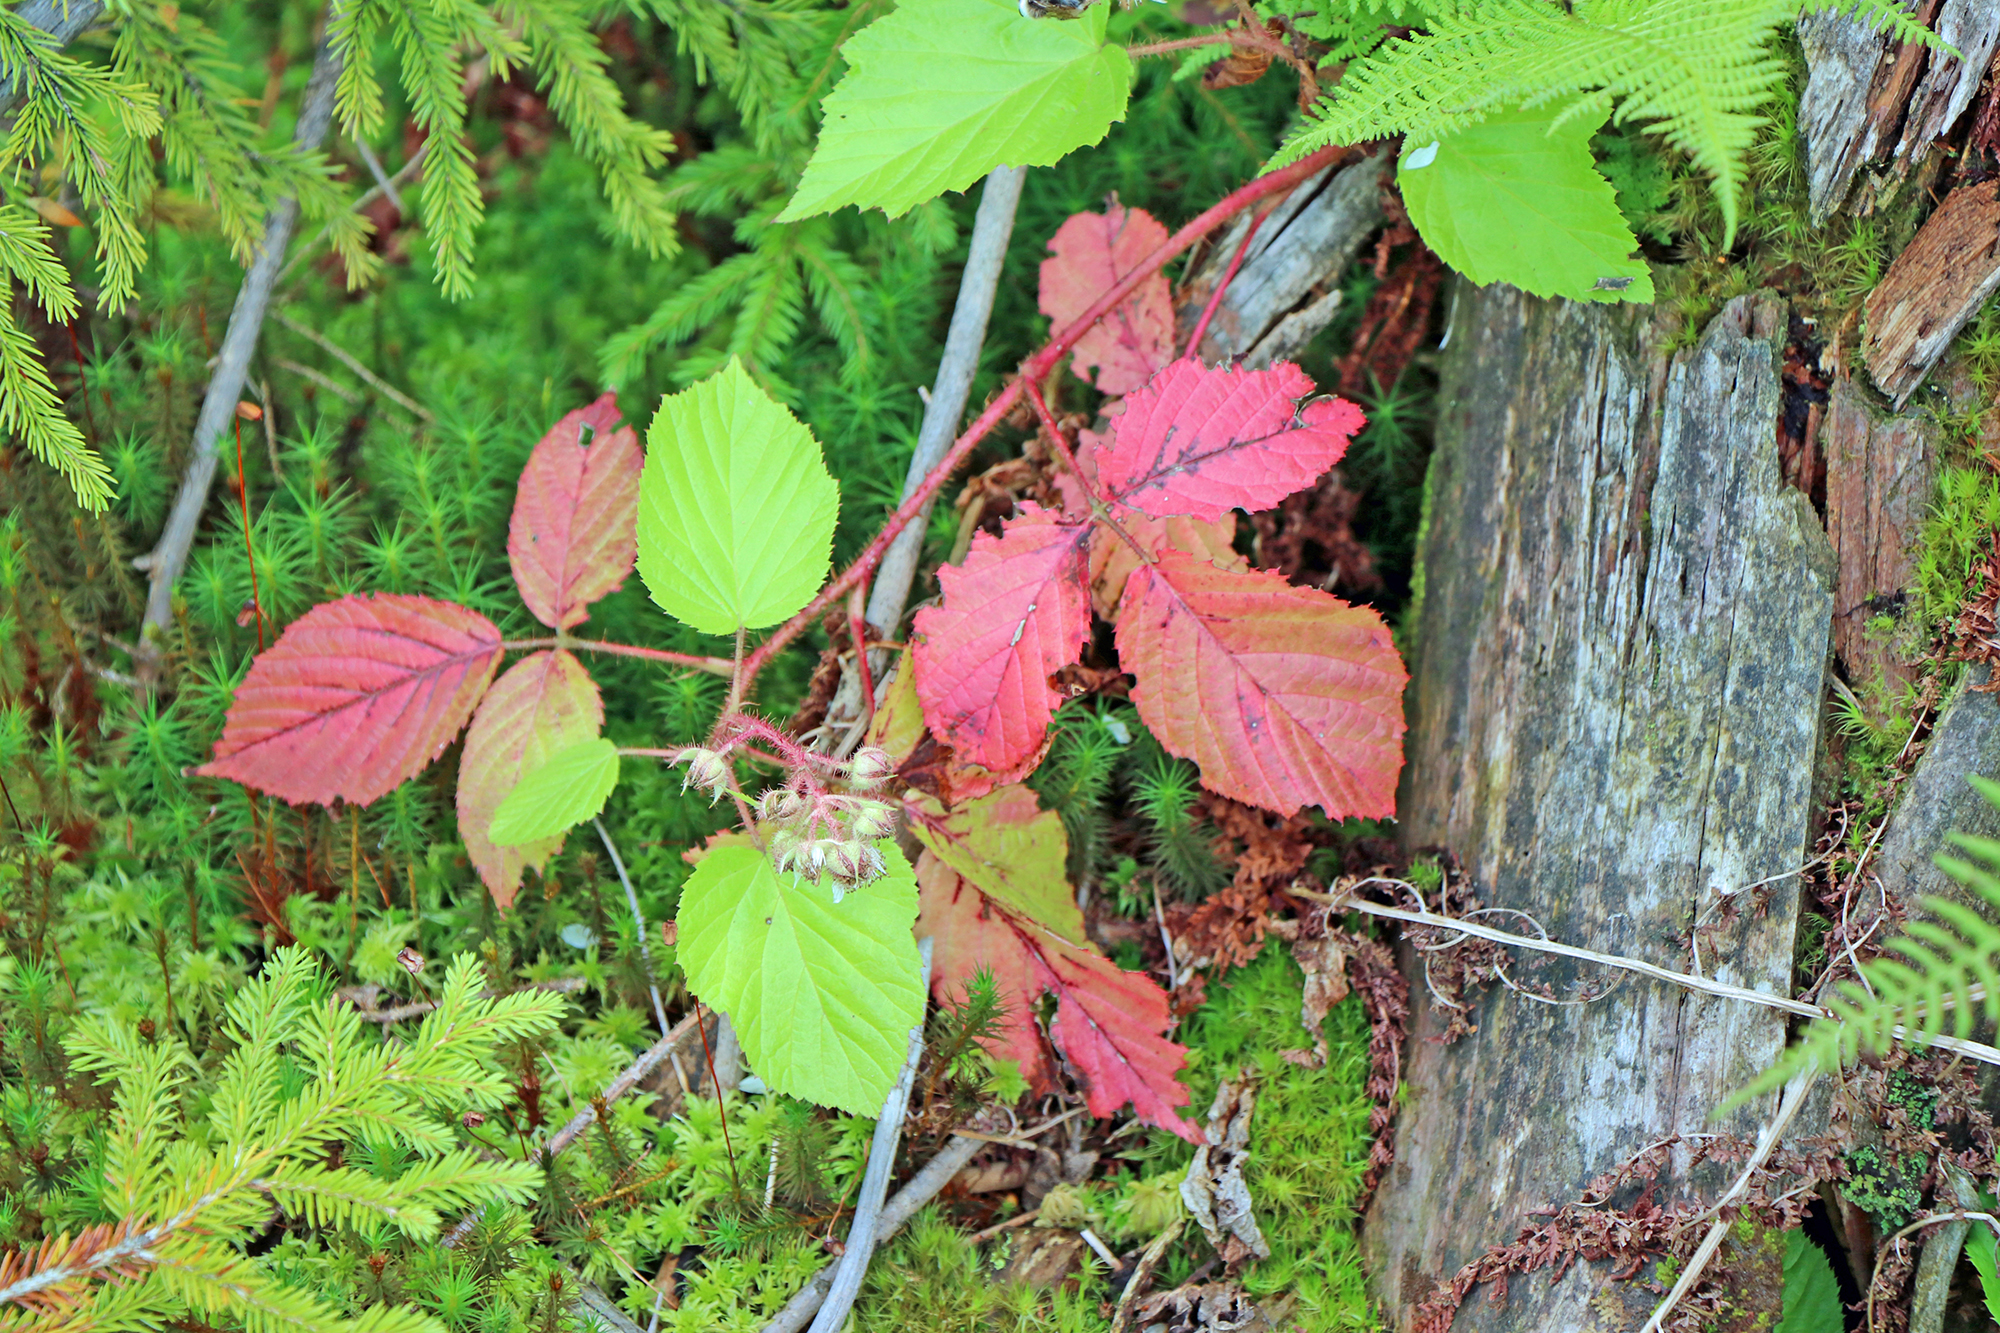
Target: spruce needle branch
column 1033, row 369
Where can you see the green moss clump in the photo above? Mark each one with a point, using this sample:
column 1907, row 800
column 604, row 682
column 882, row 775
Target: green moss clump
column 1884, row 1185
column 1309, row 1137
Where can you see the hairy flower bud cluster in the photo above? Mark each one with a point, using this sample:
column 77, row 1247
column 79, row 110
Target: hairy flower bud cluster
column 706, row 771
column 831, row 835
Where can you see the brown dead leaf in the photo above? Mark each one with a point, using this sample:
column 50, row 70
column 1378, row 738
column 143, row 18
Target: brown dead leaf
column 1324, row 961
column 1214, row 1190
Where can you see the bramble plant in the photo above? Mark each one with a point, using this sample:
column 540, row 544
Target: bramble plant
column 799, row 925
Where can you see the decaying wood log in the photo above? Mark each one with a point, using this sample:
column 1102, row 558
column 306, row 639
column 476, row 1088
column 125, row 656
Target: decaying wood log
column 1879, row 475
column 1936, row 285
column 1938, row 801
column 1615, row 701
column 1288, row 288
column 1971, row 27
column 1865, row 93
column 1857, row 83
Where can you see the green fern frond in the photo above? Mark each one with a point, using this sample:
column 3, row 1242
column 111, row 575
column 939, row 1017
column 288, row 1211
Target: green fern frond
column 1928, row 983
column 1694, row 72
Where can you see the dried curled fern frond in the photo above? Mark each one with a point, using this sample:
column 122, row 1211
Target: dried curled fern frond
column 1941, row 977
column 191, row 1195
column 1695, row 71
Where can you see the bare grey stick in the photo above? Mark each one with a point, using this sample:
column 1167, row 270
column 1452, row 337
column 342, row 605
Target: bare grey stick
column 639, row 920
column 991, row 228
column 864, row 1232
column 921, row 1189
column 232, row 365
column 649, row 1060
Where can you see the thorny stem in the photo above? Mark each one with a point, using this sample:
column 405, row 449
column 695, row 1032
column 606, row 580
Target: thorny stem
column 1145, row 49
column 249, row 552
column 721, row 1103
column 715, row 666
column 1099, row 511
column 1032, row 370
column 1215, row 297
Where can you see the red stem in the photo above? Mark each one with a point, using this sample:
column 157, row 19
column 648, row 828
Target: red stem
column 717, row 666
column 857, row 630
column 1215, row 297
column 1099, row 509
column 1034, row 368
column 243, row 496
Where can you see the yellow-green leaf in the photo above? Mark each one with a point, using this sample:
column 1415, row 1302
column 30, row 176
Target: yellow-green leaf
column 736, row 510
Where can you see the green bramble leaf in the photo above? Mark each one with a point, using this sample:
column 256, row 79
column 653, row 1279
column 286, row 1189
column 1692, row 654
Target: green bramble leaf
column 1517, row 199
column 566, row 790
column 1984, row 1255
column 1812, row 1296
column 942, row 91
column 823, row 994
column 736, row 510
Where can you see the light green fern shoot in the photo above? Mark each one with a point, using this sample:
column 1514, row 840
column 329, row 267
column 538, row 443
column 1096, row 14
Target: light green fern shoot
column 1927, row 982
column 1693, row 72
column 192, row 1183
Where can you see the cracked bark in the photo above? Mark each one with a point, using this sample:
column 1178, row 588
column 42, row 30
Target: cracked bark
column 1615, row 704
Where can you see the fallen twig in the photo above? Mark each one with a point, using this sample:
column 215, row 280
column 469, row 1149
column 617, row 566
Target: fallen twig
column 1767, row 1143
column 1142, row 1273
column 346, row 358
column 1018, row 1220
column 921, row 1189
column 945, row 407
column 638, row 920
column 232, row 367
column 402, row 1012
column 864, row 1231
column 1348, row 902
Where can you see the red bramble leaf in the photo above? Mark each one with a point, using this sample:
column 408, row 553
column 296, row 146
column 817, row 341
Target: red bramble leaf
column 355, row 697
column 573, row 538
column 544, row 703
column 1284, row 696
column 1111, row 560
column 1200, row 441
column 992, row 895
column 1015, row 612
column 1091, row 253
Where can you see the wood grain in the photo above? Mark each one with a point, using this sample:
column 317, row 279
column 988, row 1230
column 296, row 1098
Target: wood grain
column 1879, row 474
column 1936, row 285
column 1616, row 699
column 1288, row 288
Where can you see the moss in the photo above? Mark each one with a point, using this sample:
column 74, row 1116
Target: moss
column 1884, row 1185
column 933, row 1279
column 1308, row 1139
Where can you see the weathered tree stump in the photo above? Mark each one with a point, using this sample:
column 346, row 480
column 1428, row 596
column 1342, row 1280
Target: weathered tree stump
column 1615, row 704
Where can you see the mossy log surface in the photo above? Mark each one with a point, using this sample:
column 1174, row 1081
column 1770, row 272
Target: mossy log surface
column 1616, row 696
